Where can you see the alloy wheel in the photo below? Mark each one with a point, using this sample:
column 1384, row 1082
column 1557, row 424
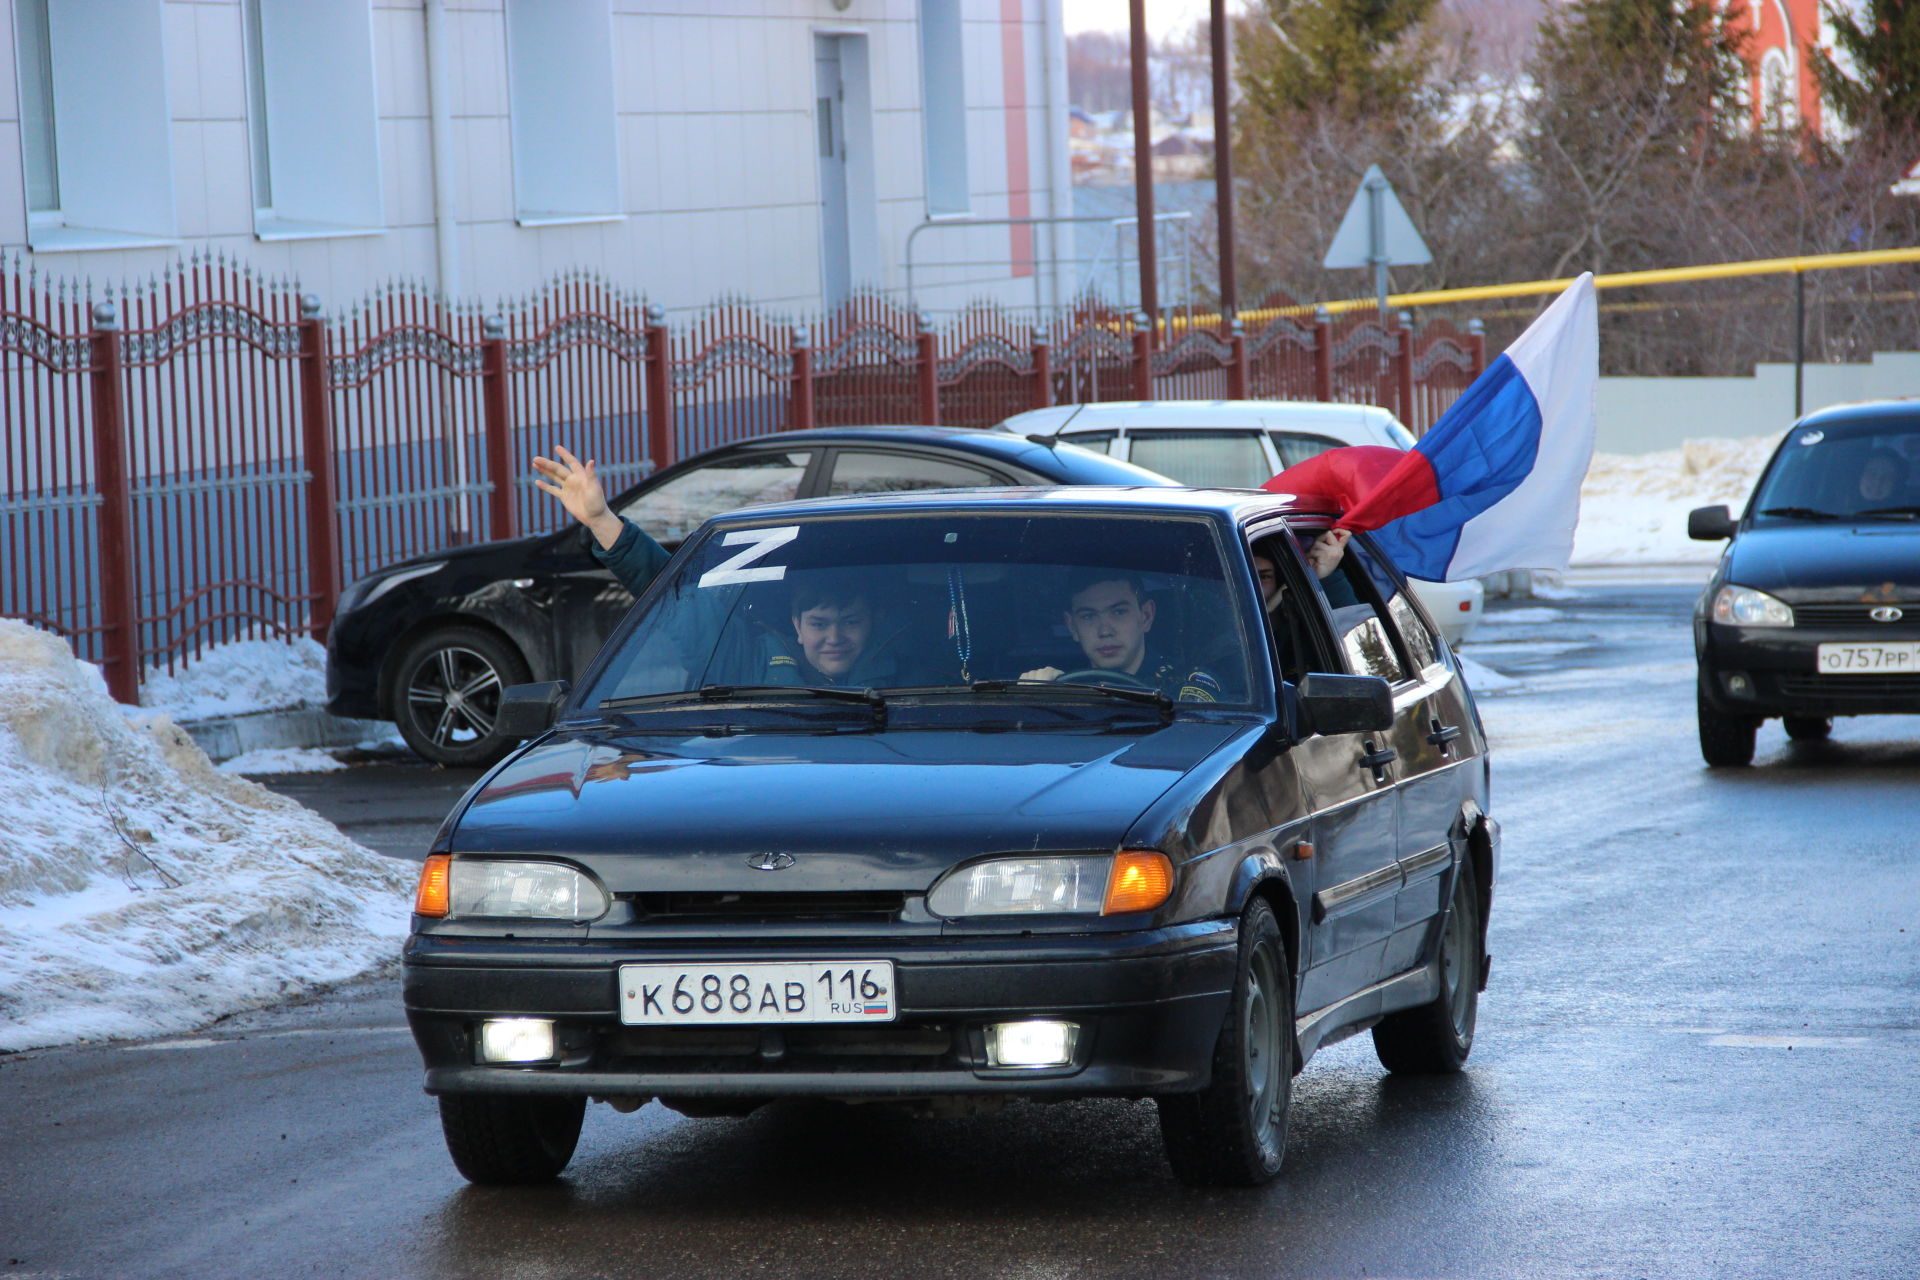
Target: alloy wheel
column 453, row 696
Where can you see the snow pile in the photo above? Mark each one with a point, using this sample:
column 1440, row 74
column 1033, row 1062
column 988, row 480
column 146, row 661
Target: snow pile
column 1483, row 679
column 281, row 760
column 1633, row 507
column 141, row 891
column 254, row 674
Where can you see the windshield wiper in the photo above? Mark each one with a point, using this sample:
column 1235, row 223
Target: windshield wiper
column 1908, row 512
column 751, row 693
column 1799, row 513
column 1074, row 688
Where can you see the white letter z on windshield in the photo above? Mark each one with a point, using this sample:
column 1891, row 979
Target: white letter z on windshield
column 759, row 542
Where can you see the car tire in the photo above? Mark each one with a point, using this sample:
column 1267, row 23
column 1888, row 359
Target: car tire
column 509, row 1139
column 475, row 664
column 1808, row 728
column 1233, row 1133
column 1435, row 1038
column 1726, row 739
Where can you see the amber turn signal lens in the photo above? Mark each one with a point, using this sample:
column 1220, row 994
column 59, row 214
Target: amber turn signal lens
column 431, row 898
column 1142, row 879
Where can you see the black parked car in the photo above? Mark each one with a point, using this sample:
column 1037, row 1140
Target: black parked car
column 1814, row 611
column 1106, row 827
column 430, row 643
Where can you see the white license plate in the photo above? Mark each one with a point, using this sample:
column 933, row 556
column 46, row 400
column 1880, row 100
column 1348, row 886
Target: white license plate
column 681, row 995
column 1867, row 659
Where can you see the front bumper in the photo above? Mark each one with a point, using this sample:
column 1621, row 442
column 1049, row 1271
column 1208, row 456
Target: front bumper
column 1150, row 1006
column 1771, row 671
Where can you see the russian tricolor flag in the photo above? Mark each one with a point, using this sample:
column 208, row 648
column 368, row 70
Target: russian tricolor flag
column 1496, row 483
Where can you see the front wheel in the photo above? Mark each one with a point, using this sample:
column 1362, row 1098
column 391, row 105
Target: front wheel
column 1808, row 728
column 1233, row 1133
column 1726, row 740
column 1435, row 1038
column 446, row 695
column 508, row 1139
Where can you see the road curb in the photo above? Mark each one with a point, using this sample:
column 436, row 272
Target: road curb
column 308, row 725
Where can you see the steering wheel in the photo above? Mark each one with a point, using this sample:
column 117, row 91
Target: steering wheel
column 1104, row 675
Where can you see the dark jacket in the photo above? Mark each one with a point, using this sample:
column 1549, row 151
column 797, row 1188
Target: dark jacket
column 634, row 558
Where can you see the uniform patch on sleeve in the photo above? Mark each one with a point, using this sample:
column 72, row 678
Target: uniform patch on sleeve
column 781, row 660
column 1199, row 687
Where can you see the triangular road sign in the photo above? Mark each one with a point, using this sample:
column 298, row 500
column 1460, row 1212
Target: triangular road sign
column 1376, row 230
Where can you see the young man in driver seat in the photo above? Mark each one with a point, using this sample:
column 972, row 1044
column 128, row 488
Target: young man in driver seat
column 1109, row 616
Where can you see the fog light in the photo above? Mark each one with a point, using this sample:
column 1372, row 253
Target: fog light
column 1737, row 683
column 516, row 1040
column 1031, row 1044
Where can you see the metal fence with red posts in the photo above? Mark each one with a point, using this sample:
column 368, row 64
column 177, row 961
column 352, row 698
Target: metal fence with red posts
column 212, row 455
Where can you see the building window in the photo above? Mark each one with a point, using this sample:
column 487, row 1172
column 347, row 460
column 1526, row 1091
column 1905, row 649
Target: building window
column 311, row 119
column 94, row 127
column 566, row 154
column 943, row 108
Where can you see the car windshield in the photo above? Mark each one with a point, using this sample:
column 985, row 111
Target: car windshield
column 952, row 601
column 1844, row 469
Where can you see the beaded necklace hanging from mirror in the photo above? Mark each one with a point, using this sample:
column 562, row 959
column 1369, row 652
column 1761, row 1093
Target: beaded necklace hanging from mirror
column 959, row 626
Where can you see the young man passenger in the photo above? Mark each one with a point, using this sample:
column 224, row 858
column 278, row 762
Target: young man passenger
column 833, row 625
column 1109, row 616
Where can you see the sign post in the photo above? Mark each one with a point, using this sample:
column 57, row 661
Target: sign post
column 1376, row 232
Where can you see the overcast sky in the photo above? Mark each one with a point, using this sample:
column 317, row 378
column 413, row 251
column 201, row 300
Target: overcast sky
column 1164, row 17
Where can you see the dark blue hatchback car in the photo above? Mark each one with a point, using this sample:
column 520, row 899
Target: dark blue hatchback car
column 947, row 799
column 1814, row 609
column 429, row 643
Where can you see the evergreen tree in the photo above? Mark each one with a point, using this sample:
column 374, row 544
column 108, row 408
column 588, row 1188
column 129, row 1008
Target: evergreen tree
column 1346, row 57
column 1883, row 43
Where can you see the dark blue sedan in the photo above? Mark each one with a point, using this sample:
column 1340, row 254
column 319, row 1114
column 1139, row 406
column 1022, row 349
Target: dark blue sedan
column 945, row 799
column 430, row 643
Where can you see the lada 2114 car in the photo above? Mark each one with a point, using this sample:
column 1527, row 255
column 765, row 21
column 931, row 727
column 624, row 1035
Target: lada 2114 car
column 972, row 794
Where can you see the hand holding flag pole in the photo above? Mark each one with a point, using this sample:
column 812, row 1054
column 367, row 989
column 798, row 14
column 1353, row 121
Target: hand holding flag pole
column 1495, row 484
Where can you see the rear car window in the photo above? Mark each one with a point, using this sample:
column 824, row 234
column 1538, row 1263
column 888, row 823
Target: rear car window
column 1204, row 459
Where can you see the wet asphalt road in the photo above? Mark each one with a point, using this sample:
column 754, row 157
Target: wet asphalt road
column 1700, row 1056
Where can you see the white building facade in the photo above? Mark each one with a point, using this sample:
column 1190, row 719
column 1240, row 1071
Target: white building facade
column 782, row 153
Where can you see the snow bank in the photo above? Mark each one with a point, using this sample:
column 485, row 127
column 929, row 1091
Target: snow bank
column 1633, row 507
column 281, row 760
column 255, row 674
column 141, row 891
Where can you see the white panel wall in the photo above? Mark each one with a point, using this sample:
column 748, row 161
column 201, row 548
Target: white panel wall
column 1646, row 415
column 707, row 114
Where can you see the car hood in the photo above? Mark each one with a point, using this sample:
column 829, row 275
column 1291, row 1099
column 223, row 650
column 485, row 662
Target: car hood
column 877, row 811
column 1838, row 562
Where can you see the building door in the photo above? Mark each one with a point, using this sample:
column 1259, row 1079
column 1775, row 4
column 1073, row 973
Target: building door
column 830, row 126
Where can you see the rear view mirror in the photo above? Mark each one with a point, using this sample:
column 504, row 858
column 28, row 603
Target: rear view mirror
column 1709, row 524
column 1345, row 704
column 528, row 710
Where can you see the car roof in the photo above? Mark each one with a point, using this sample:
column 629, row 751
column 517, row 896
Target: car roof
column 985, row 442
column 1865, row 410
column 1364, row 421
column 1232, row 504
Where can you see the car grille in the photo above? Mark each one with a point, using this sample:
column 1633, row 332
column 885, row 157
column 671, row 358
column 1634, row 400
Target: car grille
column 1851, row 688
column 770, row 908
column 689, row 1050
column 1856, row 615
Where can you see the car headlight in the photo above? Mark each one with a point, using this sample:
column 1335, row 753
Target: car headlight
column 1077, row 884
column 522, row 890
column 374, row 585
column 1745, row 607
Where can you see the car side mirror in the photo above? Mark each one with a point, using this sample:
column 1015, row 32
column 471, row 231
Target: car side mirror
column 1344, row 704
column 1709, row 524
column 529, row 710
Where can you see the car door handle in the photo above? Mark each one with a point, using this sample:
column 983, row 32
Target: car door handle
column 1443, row 735
column 1377, row 759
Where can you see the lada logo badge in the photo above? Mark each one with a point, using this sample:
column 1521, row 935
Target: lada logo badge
column 770, row 861
column 1887, row 613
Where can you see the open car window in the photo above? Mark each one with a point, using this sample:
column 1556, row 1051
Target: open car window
column 897, row 600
